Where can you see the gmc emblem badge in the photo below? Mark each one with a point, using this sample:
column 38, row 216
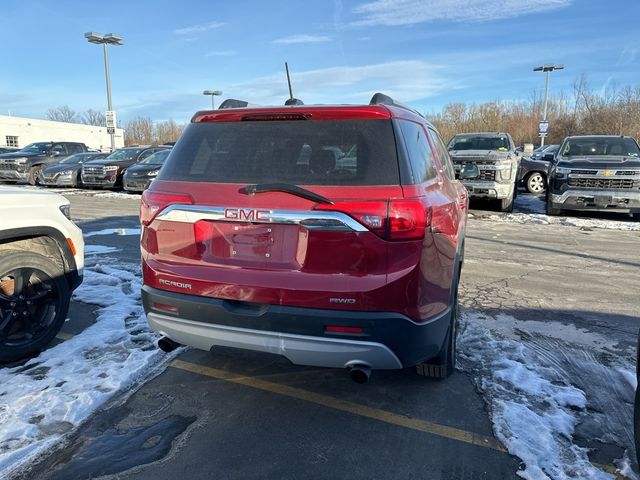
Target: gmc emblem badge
column 246, row 214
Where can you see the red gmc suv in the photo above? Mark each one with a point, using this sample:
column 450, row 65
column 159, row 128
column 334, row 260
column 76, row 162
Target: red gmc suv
column 331, row 235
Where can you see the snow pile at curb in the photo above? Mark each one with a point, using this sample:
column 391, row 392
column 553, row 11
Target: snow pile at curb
column 52, row 394
column 541, row 219
column 534, row 407
column 113, row 231
column 533, row 213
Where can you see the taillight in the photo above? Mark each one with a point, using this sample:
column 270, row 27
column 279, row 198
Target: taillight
column 372, row 215
column 392, row 220
column 153, row 203
column 408, row 219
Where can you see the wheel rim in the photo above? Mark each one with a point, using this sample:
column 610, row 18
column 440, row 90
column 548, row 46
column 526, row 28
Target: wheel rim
column 536, row 183
column 29, row 302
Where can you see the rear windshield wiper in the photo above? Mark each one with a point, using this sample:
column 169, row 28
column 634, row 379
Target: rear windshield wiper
column 287, row 188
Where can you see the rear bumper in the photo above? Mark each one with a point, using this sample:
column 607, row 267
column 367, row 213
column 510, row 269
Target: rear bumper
column 389, row 341
column 599, row 200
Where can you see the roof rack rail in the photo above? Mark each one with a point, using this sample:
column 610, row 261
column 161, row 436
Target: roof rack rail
column 293, row 101
column 382, row 99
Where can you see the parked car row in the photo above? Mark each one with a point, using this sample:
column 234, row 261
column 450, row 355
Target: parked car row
column 597, row 172
column 72, row 164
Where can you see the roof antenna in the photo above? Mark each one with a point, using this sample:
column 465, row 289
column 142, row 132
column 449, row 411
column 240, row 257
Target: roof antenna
column 291, row 100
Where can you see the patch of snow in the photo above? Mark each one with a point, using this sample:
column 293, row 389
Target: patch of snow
column 113, row 231
column 534, row 403
column 99, row 249
column 48, row 397
column 110, row 194
column 625, row 468
column 629, row 377
column 541, row 219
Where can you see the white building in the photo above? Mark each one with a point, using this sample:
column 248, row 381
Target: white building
column 20, row 132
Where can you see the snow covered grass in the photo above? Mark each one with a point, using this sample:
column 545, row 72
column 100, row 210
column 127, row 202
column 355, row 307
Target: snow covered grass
column 113, row 231
column 543, row 391
column 99, row 249
column 533, row 209
column 52, row 394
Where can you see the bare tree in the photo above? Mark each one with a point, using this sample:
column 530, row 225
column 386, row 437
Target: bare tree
column 93, row 117
column 168, row 131
column 62, row 114
column 611, row 111
column 139, row 131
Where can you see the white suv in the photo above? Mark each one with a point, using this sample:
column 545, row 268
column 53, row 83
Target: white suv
column 41, row 261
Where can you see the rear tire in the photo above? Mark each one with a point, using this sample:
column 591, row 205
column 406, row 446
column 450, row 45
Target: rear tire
column 32, row 317
column 444, row 364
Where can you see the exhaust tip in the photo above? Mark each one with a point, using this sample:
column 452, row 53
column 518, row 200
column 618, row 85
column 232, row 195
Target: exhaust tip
column 360, row 373
column 167, row 345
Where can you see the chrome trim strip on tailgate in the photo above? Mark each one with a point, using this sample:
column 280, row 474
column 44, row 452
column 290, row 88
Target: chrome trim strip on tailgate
column 310, row 219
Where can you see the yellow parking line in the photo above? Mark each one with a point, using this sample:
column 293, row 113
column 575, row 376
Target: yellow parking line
column 425, row 426
column 345, row 406
column 444, row 431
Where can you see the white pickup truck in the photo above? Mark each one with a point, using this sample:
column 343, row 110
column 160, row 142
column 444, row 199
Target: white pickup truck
column 497, row 161
column 41, row 261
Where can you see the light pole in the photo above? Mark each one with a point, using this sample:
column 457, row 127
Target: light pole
column 106, row 39
column 547, row 69
column 213, row 94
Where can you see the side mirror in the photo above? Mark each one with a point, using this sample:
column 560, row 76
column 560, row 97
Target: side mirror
column 469, row 171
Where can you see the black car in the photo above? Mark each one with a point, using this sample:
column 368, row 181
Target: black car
column 66, row 173
column 27, row 163
column 534, row 170
column 108, row 172
column 8, row 149
column 138, row 177
column 599, row 172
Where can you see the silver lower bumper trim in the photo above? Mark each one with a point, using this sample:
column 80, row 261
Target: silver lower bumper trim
column 299, row 349
column 605, row 199
column 488, row 189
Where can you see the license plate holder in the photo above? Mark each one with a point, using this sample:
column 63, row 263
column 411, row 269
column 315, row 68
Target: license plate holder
column 603, row 200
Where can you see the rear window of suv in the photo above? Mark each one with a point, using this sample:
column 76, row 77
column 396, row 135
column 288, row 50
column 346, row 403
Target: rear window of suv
column 302, row 152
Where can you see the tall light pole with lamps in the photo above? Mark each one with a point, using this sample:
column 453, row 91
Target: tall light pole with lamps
column 547, row 69
column 213, row 94
column 106, row 39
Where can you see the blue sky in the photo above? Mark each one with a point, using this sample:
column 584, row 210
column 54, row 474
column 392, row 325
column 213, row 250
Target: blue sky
column 426, row 53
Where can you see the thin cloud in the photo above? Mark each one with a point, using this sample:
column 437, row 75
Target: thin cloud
column 409, row 12
column 304, row 38
column 407, row 81
column 202, row 27
column 221, row 53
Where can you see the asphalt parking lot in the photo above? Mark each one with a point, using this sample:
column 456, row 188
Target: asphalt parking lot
column 558, row 300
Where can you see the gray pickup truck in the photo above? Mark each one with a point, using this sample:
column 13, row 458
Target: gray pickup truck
column 494, row 154
column 26, row 164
